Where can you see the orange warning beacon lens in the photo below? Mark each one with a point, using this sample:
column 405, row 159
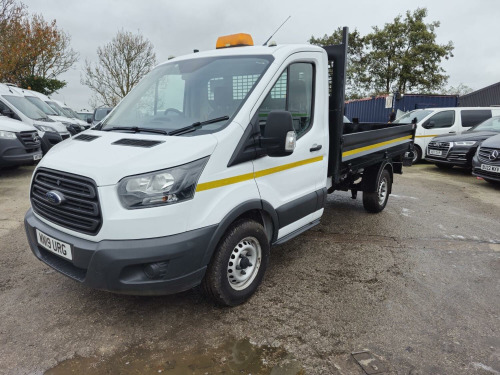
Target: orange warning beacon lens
column 234, row 40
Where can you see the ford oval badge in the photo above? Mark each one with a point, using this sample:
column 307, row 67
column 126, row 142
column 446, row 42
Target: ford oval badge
column 54, row 197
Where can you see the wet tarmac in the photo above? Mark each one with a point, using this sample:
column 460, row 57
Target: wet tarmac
column 415, row 289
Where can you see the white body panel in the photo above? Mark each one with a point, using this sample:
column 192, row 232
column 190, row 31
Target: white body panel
column 424, row 136
column 107, row 164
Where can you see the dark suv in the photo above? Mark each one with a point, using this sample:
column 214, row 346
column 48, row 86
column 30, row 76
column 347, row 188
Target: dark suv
column 486, row 162
column 451, row 150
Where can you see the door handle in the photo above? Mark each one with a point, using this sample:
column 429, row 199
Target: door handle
column 315, row 147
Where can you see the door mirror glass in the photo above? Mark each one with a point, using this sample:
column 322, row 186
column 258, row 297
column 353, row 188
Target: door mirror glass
column 279, row 136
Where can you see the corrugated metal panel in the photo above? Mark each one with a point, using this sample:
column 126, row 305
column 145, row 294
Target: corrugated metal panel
column 485, row 97
column 373, row 109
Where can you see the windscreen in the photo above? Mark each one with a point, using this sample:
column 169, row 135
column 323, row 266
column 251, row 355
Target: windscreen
column 56, row 108
column 41, row 105
column 23, row 105
column 178, row 94
column 492, row 124
column 71, row 112
column 100, row 113
column 407, row 118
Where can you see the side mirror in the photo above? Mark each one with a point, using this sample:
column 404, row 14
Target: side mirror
column 7, row 112
column 89, row 120
column 279, row 137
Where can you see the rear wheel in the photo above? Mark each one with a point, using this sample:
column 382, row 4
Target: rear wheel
column 444, row 166
column 238, row 265
column 377, row 200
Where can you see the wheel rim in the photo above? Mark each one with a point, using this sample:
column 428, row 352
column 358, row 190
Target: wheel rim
column 382, row 191
column 244, row 263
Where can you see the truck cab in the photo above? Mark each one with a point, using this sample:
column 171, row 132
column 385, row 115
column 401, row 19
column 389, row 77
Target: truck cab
column 19, row 143
column 211, row 159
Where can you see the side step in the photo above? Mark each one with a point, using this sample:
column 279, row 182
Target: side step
column 296, row 232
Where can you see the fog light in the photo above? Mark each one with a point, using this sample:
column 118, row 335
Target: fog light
column 156, row 270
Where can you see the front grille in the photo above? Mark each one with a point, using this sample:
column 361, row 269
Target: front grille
column 79, row 210
column 441, row 146
column 484, row 155
column 29, row 139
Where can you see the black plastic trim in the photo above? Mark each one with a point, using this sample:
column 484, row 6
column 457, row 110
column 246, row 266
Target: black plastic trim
column 297, row 232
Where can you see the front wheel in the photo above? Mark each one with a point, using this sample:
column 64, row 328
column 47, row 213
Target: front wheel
column 238, row 265
column 417, row 154
column 377, row 200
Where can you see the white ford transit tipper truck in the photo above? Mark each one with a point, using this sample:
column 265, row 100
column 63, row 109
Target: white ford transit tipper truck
column 210, row 160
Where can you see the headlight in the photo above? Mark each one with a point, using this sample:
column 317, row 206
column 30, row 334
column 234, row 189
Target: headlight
column 45, row 128
column 163, row 187
column 465, row 143
column 7, row 135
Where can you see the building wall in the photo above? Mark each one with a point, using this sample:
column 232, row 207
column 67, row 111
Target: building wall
column 486, row 97
column 374, row 109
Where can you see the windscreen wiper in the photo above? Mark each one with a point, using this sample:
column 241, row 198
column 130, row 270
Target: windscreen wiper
column 136, row 129
column 196, row 125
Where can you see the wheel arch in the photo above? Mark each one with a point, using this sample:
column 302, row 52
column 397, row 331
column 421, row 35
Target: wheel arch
column 256, row 209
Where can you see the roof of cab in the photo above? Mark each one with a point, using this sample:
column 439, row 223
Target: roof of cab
column 276, row 51
column 9, row 90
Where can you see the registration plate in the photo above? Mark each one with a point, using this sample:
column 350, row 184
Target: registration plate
column 55, row 246
column 37, row 157
column 490, row 168
column 435, row 152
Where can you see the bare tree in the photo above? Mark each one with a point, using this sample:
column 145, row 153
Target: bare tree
column 121, row 65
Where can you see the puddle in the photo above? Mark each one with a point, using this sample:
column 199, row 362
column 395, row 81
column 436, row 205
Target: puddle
column 240, row 357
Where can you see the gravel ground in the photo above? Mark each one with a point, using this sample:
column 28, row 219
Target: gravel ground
column 416, row 287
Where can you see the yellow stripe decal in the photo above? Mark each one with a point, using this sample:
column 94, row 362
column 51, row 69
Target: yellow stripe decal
column 249, row 176
column 425, row 136
column 371, row 147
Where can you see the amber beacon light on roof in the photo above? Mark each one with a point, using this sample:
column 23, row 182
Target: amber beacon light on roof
column 234, row 40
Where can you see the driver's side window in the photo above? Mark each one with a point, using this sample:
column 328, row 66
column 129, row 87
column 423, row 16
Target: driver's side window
column 292, row 92
column 443, row 119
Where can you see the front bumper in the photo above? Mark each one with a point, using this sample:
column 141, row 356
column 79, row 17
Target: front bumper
column 13, row 152
column 118, row 266
column 460, row 157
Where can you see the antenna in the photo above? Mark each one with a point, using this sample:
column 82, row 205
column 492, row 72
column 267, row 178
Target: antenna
column 267, row 41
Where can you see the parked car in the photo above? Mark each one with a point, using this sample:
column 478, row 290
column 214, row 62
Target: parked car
column 71, row 114
column 19, row 143
column 36, row 98
column 447, row 151
column 486, row 161
column 17, row 107
column 432, row 122
column 100, row 114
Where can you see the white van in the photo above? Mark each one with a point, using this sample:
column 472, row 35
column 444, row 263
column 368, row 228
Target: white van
column 77, row 124
column 432, row 122
column 34, row 97
column 16, row 106
column 19, row 143
column 211, row 159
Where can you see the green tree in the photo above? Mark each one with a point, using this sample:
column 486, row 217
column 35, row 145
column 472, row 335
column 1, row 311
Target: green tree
column 32, row 50
column 404, row 55
column 356, row 80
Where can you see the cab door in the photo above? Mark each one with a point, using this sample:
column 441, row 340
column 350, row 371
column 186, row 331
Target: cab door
column 291, row 184
column 443, row 122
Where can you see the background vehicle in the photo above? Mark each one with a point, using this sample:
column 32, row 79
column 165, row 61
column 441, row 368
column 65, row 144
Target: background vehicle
column 447, row 151
column 72, row 114
column 486, row 161
column 19, row 143
column 85, row 116
column 100, row 114
column 197, row 178
column 36, row 98
column 17, row 107
column 432, row 122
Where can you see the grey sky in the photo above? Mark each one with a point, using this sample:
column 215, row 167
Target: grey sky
column 176, row 28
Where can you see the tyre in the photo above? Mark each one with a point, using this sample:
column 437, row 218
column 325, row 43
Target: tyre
column 377, row 200
column 444, row 166
column 418, row 154
column 238, row 264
